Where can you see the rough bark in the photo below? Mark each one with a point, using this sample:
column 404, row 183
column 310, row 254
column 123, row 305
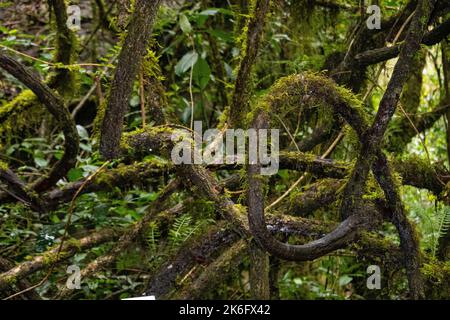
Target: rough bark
column 133, row 51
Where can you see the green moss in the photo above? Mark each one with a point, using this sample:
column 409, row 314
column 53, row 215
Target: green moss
column 50, row 258
column 101, row 111
column 65, row 77
column 25, row 99
column 20, row 113
column 437, row 276
column 373, row 190
column 11, row 280
column 73, row 243
column 3, row 165
column 436, row 271
column 306, row 90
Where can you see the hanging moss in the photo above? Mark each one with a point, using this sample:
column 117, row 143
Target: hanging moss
column 20, row 114
column 304, row 91
column 64, row 79
column 3, row 165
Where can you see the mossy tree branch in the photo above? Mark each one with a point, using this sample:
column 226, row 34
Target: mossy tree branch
column 255, row 28
column 133, row 51
column 55, row 105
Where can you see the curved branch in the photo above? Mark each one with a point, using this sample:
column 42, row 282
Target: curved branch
column 39, row 262
column 56, row 107
column 382, row 54
column 19, row 191
column 345, row 233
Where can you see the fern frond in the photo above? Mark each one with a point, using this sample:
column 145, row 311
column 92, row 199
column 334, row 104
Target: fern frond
column 153, row 236
column 444, row 226
column 182, row 229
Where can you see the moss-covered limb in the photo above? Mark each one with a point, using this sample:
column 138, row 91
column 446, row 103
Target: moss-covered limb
column 124, row 177
column 401, row 130
column 372, row 138
column 369, row 247
column 37, row 263
column 299, row 161
column 378, row 55
column 18, row 189
column 310, row 90
column 207, row 247
column 206, row 183
column 419, row 173
column 63, row 79
column 150, row 140
column 55, row 105
column 204, row 248
column 23, row 284
column 22, row 102
column 123, row 7
column 159, row 140
column 345, row 69
column 130, row 59
column 317, row 195
column 444, row 241
column 255, row 28
column 410, row 97
column 414, row 171
column 128, row 237
column 156, row 103
column 259, row 272
column 344, row 233
column 214, row 273
column 409, row 241
column 437, row 279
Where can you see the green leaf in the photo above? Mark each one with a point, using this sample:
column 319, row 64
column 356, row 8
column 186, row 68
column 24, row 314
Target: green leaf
column 344, row 280
column 185, row 25
column 82, row 132
column 186, row 62
column 209, row 12
column 221, row 35
column 201, row 73
column 152, row 196
column 40, row 162
column 75, row 174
